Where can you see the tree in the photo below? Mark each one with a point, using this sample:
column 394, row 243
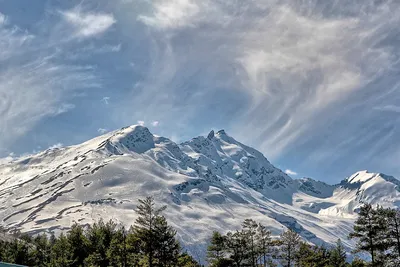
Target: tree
column 237, row 247
column 369, row 229
column 338, row 255
column 79, row 245
column 305, row 255
column 167, row 247
column 42, row 250
column 357, row 262
column 290, row 242
column 157, row 238
column 99, row 237
column 393, row 231
column 216, row 249
column 61, row 255
column 185, row 260
column 264, row 243
column 117, row 251
column 249, row 227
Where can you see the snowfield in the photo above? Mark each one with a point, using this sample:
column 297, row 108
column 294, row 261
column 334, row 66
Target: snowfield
column 209, row 183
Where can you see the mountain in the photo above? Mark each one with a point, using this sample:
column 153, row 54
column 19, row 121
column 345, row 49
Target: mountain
column 209, row 183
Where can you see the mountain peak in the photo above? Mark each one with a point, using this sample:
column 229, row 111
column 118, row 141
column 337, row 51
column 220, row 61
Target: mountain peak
column 134, row 138
column 221, row 132
column 211, row 135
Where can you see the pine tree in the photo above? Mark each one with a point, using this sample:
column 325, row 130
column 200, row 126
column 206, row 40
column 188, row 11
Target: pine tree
column 185, row 260
column 133, row 244
column 264, row 243
column 369, row 229
column 338, row 255
column 249, row 227
column 305, row 255
column 61, row 255
column 290, row 242
column 41, row 251
column 321, row 256
column 99, row 237
column 158, row 243
column 216, row 249
column 236, row 244
column 167, row 247
column 393, row 232
column 117, row 252
column 79, row 245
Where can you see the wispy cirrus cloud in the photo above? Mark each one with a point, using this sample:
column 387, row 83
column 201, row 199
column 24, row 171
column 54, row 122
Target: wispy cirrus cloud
column 172, row 13
column 88, row 24
column 35, row 81
column 390, row 108
column 297, row 73
column 305, row 82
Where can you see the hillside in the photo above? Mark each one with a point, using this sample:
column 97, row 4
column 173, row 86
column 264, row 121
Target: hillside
column 209, row 183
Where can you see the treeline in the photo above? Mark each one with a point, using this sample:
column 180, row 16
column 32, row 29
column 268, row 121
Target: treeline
column 253, row 246
column 150, row 242
column 377, row 231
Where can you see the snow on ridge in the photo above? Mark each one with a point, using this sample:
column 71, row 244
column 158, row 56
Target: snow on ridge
column 209, row 183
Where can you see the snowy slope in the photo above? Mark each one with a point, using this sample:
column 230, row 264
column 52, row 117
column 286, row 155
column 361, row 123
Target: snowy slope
column 209, row 183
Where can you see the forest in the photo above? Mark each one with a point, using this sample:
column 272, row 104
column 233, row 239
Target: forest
column 151, row 242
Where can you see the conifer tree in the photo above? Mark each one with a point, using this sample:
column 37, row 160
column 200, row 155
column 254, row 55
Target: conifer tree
column 216, row 249
column 338, row 255
column 117, row 252
column 393, row 231
column 236, row 244
column 305, row 255
column 79, row 245
column 99, row 237
column 249, row 227
column 264, row 243
column 41, row 250
column 167, row 247
column 290, row 242
column 158, row 243
column 369, row 229
column 61, row 255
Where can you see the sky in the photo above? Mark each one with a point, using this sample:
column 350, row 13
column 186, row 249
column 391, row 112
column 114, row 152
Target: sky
column 314, row 85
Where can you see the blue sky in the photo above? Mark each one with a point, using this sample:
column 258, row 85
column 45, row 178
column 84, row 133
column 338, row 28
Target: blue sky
column 314, row 85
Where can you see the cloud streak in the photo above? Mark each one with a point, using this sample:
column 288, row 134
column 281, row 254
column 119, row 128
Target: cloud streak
column 88, row 24
column 35, row 80
column 312, row 84
column 299, row 71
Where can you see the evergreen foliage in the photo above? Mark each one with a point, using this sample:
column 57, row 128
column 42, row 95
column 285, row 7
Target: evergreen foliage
column 149, row 242
column 152, row 242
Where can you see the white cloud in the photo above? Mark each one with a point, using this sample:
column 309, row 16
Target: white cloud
column 106, row 100
column 56, row 146
column 62, row 108
column 88, row 24
column 288, row 59
column 390, row 108
column 2, row 18
column 290, row 172
column 155, row 123
column 34, row 82
column 102, row 130
column 141, row 123
column 172, row 13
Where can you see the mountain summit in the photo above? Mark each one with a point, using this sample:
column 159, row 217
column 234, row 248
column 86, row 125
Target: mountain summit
column 209, row 183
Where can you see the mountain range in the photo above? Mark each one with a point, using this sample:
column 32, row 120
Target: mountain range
column 208, row 183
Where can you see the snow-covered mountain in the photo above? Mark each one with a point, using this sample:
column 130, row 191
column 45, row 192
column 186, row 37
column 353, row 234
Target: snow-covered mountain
column 209, row 183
